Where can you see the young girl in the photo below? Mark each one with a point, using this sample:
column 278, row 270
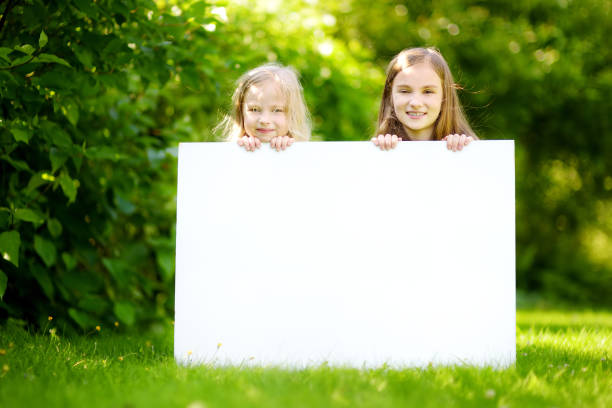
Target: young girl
column 420, row 102
column 267, row 106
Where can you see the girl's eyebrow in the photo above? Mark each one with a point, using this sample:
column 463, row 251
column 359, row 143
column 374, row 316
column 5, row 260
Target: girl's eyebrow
column 424, row 86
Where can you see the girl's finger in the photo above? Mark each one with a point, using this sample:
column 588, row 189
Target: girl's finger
column 461, row 142
column 394, row 141
column 468, row 140
column 285, row 142
column 257, row 143
column 290, row 142
column 375, row 141
column 388, row 141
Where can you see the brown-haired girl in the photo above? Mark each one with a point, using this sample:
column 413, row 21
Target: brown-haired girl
column 420, row 102
column 267, row 106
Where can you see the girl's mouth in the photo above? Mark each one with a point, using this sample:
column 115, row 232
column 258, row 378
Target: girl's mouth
column 261, row 130
column 415, row 115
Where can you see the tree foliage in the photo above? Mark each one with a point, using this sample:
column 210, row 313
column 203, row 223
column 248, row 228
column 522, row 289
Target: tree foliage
column 96, row 95
column 87, row 185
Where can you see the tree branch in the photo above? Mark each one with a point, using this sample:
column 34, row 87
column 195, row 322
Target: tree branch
column 7, row 10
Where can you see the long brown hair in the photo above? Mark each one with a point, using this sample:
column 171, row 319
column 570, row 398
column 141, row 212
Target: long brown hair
column 451, row 120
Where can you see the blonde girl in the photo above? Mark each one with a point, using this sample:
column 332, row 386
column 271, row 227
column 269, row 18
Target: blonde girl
column 420, row 102
column 267, row 106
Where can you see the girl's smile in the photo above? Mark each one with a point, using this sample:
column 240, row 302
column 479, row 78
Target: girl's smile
column 417, row 100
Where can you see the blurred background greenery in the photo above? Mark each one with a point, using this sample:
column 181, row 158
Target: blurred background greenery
column 96, row 96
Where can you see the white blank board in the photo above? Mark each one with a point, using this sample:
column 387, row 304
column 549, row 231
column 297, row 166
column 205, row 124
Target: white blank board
column 339, row 253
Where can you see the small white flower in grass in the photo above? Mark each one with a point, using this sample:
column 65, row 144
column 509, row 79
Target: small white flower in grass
column 490, row 393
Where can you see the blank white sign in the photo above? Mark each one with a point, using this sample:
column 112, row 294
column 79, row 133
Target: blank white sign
column 338, row 252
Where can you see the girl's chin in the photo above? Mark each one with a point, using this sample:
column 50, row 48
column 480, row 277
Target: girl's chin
column 265, row 137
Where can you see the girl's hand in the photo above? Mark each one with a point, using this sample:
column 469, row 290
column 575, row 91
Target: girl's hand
column 281, row 142
column 249, row 143
column 386, row 142
column 457, row 142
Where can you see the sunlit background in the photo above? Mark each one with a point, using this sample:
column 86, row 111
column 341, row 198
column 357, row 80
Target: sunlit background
column 99, row 133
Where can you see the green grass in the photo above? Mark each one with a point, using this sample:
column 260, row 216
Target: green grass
column 562, row 361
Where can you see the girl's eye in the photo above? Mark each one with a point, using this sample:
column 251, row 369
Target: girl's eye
column 278, row 110
column 429, row 91
column 253, row 109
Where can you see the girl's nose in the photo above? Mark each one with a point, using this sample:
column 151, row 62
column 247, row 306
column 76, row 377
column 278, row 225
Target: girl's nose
column 415, row 102
column 264, row 118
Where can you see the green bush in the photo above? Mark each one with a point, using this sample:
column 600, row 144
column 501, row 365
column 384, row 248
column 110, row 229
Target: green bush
column 88, row 174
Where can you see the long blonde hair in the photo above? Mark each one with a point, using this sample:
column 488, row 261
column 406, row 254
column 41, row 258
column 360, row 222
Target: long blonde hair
column 451, row 119
column 298, row 117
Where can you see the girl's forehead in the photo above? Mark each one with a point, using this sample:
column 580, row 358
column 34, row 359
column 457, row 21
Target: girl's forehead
column 265, row 91
column 421, row 74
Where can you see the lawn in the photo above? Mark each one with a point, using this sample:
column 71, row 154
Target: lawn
column 562, row 361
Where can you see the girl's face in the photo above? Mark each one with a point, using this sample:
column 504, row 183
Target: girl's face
column 417, row 98
column 265, row 111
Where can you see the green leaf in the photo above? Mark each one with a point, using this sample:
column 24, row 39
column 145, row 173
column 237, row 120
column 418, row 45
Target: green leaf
column 71, row 111
column 86, row 7
column 10, row 241
column 58, row 136
column 103, row 152
column 82, row 318
column 42, row 277
column 165, row 260
column 84, row 55
column 36, row 181
column 21, row 60
column 58, row 158
column 69, row 260
column 124, row 205
column 18, row 164
column 3, row 282
column 26, row 214
column 43, row 39
column 45, row 249
column 94, row 304
column 69, row 186
column 51, row 58
column 125, row 312
column 54, row 227
column 26, row 49
column 21, row 135
column 4, row 52
column 118, row 270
